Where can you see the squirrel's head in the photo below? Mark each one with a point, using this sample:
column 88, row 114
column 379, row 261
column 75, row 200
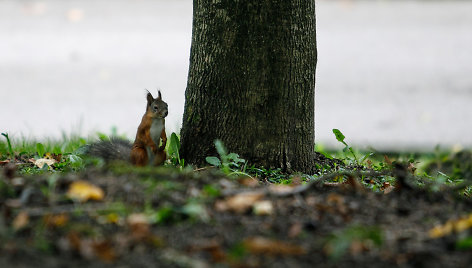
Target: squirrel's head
column 156, row 106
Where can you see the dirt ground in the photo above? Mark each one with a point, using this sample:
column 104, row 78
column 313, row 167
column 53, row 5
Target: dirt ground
column 165, row 218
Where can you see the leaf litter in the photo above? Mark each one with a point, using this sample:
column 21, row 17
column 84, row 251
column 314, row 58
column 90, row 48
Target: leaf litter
column 109, row 218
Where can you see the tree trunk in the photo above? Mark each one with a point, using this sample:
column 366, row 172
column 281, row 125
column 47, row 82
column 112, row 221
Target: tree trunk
column 251, row 82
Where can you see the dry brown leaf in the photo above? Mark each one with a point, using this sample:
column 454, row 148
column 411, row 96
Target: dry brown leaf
column 139, row 226
column 239, row 203
column 74, row 240
column 58, row 220
column 104, row 251
column 249, row 182
column 44, row 161
column 20, row 221
column 83, row 191
column 334, row 203
column 211, row 246
column 265, row 246
column 87, row 249
column 280, row 188
column 333, row 198
column 357, row 247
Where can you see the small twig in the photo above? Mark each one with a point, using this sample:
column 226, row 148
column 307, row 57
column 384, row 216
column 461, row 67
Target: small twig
column 313, row 183
column 305, row 187
column 203, row 168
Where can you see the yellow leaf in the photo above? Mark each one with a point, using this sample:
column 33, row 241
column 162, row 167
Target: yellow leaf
column 113, row 218
column 450, row 226
column 83, row 191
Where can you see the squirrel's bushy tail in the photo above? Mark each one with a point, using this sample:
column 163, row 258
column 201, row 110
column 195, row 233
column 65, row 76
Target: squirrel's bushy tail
column 115, row 149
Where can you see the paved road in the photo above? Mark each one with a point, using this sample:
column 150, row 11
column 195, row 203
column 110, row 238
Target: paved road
column 390, row 74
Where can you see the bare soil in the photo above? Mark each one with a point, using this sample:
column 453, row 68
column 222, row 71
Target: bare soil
column 195, row 219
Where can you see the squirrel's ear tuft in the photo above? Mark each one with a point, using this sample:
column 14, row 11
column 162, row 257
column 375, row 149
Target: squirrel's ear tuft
column 159, row 96
column 149, row 97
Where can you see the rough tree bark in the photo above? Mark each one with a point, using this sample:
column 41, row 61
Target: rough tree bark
column 251, row 82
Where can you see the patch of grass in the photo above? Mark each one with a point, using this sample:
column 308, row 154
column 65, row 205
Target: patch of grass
column 23, row 151
column 228, row 162
column 439, row 166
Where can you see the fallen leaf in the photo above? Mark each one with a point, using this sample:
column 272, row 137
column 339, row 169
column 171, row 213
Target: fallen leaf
column 263, row 207
column 239, row 203
column 83, row 191
column 58, row 220
column 357, row 247
column 450, row 226
column 280, row 188
column 104, row 251
column 211, row 246
column 139, row 226
column 249, row 182
column 113, row 218
column 20, row 221
column 333, row 198
column 87, row 249
column 44, row 161
column 74, row 240
column 265, row 246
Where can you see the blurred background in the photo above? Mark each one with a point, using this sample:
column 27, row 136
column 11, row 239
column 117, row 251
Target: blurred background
column 393, row 75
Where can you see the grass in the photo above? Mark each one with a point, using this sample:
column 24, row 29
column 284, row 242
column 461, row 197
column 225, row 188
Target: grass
column 437, row 166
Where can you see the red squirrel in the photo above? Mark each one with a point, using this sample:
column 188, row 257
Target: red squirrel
column 147, row 148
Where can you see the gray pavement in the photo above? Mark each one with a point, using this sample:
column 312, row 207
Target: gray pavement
column 391, row 74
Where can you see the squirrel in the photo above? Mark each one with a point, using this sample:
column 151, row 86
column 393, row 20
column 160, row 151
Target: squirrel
column 145, row 150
